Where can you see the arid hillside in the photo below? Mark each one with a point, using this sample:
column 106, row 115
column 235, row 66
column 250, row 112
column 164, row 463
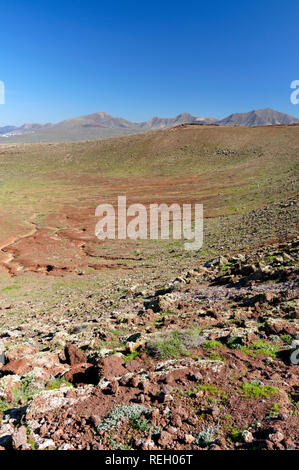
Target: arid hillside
column 142, row 344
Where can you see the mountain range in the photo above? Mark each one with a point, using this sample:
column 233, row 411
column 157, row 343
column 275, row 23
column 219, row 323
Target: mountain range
column 100, row 125
column 259, row 117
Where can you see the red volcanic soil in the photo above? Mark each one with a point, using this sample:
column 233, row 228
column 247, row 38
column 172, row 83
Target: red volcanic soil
column 66, row 242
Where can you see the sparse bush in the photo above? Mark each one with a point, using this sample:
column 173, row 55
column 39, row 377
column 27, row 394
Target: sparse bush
column 24, row 392
column 212, row 345
column 174, row 344
column 140, row 424
column 57, row 383
column 120, row 412
column 206, row 436
column 4, row 406
column 236, row 435
column 213, row 390
column 214, row 356
column 287, row 339
column 256, row 390
column 273, row 412
column 261, row 347
column 234, row 342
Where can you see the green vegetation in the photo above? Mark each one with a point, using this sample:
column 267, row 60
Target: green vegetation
column 294, row 400
column 234, row 342
column 132, row 355
column 171, row 346
column 212, row 389
column 287, row 339
column 140, row 424
column 4, row 406
column 174, row 344
column 24, row 392
column 57, row 383
column 124, row 447
column 212, row 345
column 273, row 412
column 206, row 436
column 214, row 356
column 255, row 390
column 10, row 288
column 236, row 435
column 129, row 412
column 32, row 443
column 261, row 347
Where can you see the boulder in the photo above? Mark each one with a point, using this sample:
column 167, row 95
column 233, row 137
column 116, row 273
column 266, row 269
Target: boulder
column 81, row 374
column 19, row 438
column 111, row 367
column 18, row 367
column 74, row 355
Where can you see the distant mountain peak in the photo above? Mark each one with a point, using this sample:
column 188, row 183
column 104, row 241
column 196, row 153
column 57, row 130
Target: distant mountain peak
column 183, row 118
column 259, row 117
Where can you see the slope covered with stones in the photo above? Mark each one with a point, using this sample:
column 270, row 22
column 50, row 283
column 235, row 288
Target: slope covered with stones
column 205, row 361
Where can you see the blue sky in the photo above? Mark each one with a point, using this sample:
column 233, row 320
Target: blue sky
column 137, row 59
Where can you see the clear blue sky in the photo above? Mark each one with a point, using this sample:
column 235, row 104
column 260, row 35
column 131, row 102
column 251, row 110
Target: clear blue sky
column 137, row 59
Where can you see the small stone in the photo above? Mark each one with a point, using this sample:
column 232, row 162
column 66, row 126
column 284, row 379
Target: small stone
column 47, row 444
column 19, row 438
column 214, row 411
column 276, row 437
column 215, row 447
column 134, row 382
column 247, row 436
column 133, row 338
column 189, row 438
column 165, row 438
column 82, row 374
column 114, row 387
column 95, row 419
column 193, row 420
column 196, row 376
column 2, row 355
column 132, row 346
column 148, row 445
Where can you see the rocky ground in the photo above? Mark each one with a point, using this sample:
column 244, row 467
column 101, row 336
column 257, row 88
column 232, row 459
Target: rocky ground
column 206, row 361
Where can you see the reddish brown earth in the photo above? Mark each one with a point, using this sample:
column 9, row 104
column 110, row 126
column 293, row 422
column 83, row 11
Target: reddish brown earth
column 229, row 382
column 57, row 251
column 50, row 191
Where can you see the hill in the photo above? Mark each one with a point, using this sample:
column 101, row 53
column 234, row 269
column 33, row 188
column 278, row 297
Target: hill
column 258, row 117
column 91, row 127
